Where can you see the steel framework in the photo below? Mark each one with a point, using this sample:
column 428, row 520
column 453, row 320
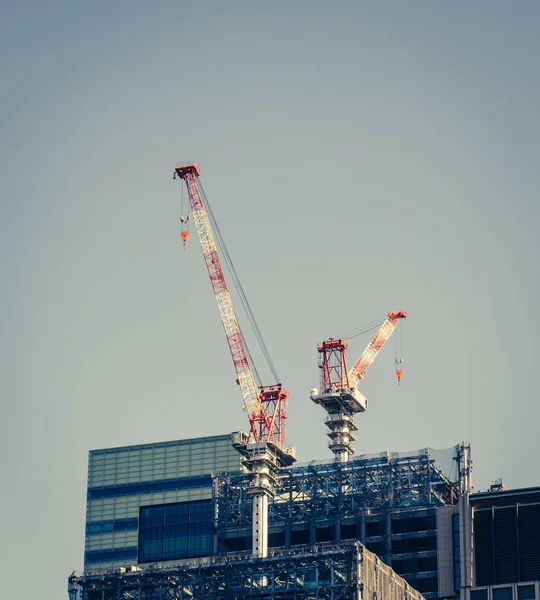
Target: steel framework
column 331, row 489
column 344, row 571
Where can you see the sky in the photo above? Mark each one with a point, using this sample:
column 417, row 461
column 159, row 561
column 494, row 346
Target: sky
column 360, row 157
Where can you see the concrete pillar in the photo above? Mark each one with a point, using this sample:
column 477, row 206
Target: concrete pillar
column 260, row 525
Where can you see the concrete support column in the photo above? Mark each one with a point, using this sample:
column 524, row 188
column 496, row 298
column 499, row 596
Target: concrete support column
column 262, row 461
column 260, row 525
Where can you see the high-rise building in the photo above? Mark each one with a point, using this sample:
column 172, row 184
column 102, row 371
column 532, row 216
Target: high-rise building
column 181, row 511
column 136, row 492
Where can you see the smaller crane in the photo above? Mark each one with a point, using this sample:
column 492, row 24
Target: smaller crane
column 339, row 395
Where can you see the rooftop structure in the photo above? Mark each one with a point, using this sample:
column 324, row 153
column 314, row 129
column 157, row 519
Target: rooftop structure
column 181, row 512
column 344, row 571
column 154, row 506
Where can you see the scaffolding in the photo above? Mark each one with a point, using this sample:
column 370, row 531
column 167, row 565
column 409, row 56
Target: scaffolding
column 322, row 517
column 327, row 571
column 329, row 490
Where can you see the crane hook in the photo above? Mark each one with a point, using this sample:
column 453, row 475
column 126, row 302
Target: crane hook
column 399, row 369
column 184, row 235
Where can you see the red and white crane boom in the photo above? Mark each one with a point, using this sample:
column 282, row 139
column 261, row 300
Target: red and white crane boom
column 266, row 405
column 250, row 391
column 375, row 346
column 338, row 393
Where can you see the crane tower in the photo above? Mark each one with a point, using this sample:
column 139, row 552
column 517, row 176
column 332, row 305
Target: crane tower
column 338, row 393
column 263, row 448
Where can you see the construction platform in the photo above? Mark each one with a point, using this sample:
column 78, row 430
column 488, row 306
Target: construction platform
column 344, row 571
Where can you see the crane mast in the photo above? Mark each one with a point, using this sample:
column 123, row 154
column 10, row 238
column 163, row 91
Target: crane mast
column 263, row 448
column 338, row 393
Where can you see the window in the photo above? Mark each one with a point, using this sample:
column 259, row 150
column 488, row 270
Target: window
column 299, row 537
column 111, row 525
column 378, row 548
column 170, row 531
column 424, row 585
column 504, row 593
column 414, row 544
column 411, row 524
column 414, row 564
column 526, row 592
column 276, row 540
column 349, row 532
column 375, row 527
column 324, row 534
column 123, row 554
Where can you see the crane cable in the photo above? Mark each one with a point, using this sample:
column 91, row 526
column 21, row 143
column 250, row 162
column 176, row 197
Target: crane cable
column 371, row 326
column 399, row 361
column 184, row 221
column 400, row 325
column 241, row 293
column 223, row 251
column 247, row 308
column 250, row 358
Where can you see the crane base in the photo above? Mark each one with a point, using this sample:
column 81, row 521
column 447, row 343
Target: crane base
column 347, row 400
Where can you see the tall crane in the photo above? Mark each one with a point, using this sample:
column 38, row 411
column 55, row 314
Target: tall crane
column 263, row 448
column 338, row 393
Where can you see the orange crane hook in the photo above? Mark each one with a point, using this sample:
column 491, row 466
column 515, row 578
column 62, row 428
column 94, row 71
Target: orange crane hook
column 399, row 369
column 184, row 234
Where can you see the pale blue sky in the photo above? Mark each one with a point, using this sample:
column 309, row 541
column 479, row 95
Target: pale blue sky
column 360, row 157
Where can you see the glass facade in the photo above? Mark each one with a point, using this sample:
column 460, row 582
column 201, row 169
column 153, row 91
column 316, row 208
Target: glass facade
column 124, row 482
column 176, row 530
column 528, row 591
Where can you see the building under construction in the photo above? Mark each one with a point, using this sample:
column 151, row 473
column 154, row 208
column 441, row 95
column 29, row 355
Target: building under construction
column 236, row 517
column 154, row 510
column 174, row 520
